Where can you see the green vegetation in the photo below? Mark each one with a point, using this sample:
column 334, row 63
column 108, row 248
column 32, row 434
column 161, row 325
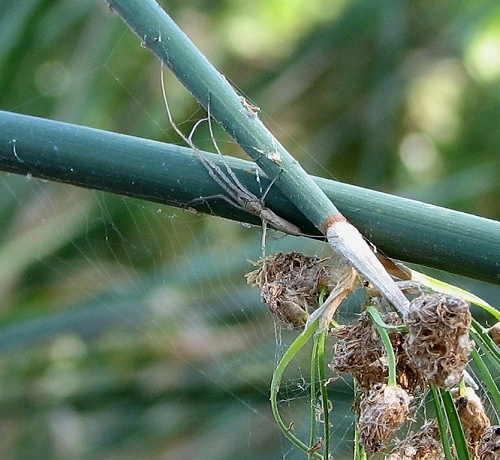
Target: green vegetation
column 126, row 327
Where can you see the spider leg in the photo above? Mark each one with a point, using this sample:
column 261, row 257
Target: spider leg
column 263, row 240
column 250, row 197
column 193, row 129
column 215, row 172
column 238, row 194
column 217, row 197
column 239, row 185
column 270, row 185
column 251, row 203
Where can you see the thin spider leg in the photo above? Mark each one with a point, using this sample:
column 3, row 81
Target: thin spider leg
column 269, row 187
column 169, row 114
column 224, row 182
column 218, row 175
column 228, row 168
column 209, row 165
column 212, row 168
column 263, row 240
column 238, row 194
column 193, row 129
column 253, row 204
column 231, row 172
column 218, row 196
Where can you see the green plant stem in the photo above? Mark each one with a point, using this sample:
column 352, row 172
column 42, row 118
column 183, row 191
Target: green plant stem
column 441, row 286
column 487, row 379
column 169, row 174
column 486, row 344
column 359, row 452
column 447, row 416
column 384, row 336
column 321, row 340
column 455, row 425
column 158, row 32
column 489, row 351
column 442, row 423
column 377, row 319
column 312, row 392
column 290, row 353
column 318, row 374
column 213, row 91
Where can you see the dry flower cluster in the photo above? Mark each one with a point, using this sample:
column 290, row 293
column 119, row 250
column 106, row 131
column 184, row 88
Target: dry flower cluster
column 291, row 283
column 360, row 352
column 438, row 339
column 431, row 347
column 382, row 412
column 423, row 445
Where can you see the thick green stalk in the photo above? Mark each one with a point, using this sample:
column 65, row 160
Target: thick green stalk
column 169, row 174
column 162, row 35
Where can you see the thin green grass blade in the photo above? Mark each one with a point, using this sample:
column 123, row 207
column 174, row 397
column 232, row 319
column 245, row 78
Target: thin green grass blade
column 442, row 423
column 486, row 344
column 314, row 378
column 324, row 392
column 486, row 378
column 318, row 375
column 384, row 336
column 445, row 288
column 291, row 352
column 457, row 432
column 359, row 451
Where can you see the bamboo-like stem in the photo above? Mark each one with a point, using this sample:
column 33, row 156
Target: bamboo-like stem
column 405, row 229
column 159, row 32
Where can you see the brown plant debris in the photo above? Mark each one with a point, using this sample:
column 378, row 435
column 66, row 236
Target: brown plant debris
column 473, row 417
column 438, row 340
column 495, row 333
column 291, row 283
column 360, row 351
column 423, row 445
column 489, row 445
column 382, row 412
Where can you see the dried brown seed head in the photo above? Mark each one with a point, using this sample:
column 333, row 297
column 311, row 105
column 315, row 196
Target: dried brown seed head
column 495, row 333
column 438, row 340
column 360, row 351
column 423, row 445
column 473, row 417
column 291, row 284
column 489, row 445
column 382, row 412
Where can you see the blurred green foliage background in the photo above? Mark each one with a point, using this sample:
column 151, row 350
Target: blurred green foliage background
column 126, row 329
